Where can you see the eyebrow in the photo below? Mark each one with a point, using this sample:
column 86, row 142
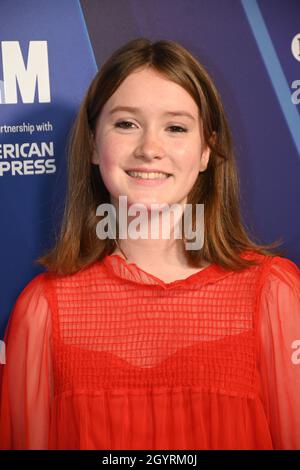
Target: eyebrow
column 138, row 111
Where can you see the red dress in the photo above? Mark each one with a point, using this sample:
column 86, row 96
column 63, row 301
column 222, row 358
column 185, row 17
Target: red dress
column 112, row 357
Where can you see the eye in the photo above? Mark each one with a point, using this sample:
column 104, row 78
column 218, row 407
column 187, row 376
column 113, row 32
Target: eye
column 128, row 125
column 124, row 124
column 178, row 129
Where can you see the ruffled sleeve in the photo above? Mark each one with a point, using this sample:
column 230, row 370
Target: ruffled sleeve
column 26, row 383
column 279, row 357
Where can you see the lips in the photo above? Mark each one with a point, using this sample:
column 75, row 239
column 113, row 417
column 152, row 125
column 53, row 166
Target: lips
column 153, row 174
column 150, row 180
column 147, row 176
column 148, row 170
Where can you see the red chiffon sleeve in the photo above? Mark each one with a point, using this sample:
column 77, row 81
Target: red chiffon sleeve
column 26, row 382
column 279, row 359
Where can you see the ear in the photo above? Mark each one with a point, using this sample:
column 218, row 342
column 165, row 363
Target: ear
column 95, row 157
column 204, row 159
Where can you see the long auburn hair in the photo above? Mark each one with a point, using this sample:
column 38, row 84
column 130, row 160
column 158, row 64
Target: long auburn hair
column 225, row 237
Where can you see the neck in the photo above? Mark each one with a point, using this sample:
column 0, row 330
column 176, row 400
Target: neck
column 151, row 252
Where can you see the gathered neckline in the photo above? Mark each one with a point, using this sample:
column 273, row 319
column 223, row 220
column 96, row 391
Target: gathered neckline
column 132, row 272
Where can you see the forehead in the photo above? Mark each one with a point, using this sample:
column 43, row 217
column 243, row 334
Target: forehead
column 148, row 89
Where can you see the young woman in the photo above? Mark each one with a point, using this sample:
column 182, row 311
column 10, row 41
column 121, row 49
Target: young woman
column 142, row 343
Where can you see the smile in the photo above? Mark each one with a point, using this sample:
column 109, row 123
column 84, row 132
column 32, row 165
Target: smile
column 147, row 175
column 148, row 178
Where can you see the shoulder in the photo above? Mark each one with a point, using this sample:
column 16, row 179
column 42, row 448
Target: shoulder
column 274, row 268
column 31, row 305
column 44, row 283
column 29, row 326
column 87, row 278
column 280, row 286
column 275, row 274
column 34, row 289
column 281, row 272
column 279, row 306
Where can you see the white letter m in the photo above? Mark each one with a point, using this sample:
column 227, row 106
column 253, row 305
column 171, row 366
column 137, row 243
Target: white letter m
column 14, row 70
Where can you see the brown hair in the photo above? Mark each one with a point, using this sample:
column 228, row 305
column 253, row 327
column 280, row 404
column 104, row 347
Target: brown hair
column 225, row 237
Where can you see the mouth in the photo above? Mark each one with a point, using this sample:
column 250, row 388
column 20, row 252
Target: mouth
column 147, row 175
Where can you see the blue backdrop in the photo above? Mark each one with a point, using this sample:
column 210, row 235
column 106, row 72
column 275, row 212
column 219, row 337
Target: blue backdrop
column 246, row 46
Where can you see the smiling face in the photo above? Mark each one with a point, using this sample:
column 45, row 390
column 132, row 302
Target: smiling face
column 150, row 135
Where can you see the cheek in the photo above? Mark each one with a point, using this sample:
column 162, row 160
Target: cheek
column 109, row 154
column 110, row 160
column 188, row 159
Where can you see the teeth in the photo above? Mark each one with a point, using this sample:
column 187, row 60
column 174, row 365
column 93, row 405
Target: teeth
column 147, row 175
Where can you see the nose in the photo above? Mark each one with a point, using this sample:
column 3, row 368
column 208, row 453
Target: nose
column 149, row 145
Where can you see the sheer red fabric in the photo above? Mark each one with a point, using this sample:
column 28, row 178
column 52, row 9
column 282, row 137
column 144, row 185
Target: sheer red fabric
column 112, row 357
